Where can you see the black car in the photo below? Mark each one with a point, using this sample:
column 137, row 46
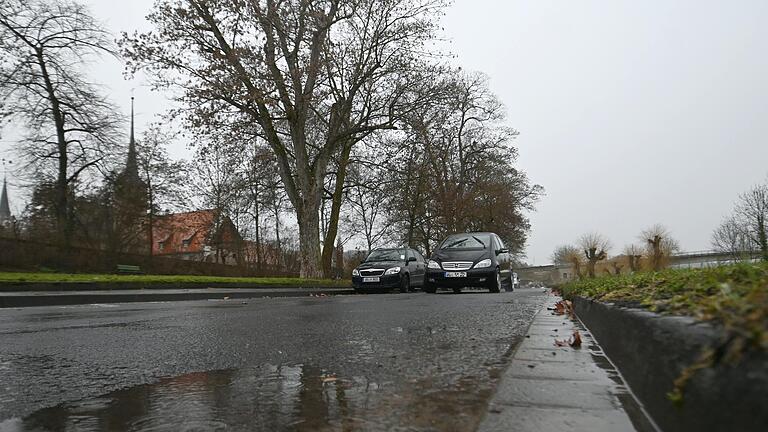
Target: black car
column 470, row 260
column 385, row 269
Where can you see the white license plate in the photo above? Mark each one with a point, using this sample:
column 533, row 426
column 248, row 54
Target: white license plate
column 455, row 274
column 371, row 279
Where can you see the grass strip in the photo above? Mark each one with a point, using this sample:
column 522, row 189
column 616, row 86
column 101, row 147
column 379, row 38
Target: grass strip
column 735, row 296
column 21, row 277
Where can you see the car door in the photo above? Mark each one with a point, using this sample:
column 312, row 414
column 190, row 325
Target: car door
column 420, row 269
column 504, row 259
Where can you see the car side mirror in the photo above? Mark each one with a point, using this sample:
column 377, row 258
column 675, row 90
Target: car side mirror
column 501, row 251
column 411, row 259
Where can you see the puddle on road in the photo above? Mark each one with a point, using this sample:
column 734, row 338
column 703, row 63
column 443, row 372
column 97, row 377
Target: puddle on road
column 273, row 398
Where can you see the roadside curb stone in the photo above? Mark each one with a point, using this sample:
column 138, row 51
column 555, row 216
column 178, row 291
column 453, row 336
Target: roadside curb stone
column 651, row 350
column 562, row 388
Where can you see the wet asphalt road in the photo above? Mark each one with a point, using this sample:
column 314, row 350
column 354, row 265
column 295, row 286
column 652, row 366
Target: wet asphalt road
column 373, row 362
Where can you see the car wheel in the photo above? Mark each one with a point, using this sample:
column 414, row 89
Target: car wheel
column 457, row 290
column 496, row 287
column 405, row 284
column 429, row 288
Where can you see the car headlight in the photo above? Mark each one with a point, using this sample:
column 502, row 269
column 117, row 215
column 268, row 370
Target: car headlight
column 355, row 272
column 484, row 263
column 393, row 270
column 433, row 264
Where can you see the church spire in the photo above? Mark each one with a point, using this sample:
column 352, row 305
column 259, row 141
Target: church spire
column 5, row 209
column 131, row 166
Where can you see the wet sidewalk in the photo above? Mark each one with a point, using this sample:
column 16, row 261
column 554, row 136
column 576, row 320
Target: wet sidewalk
column 562, row 388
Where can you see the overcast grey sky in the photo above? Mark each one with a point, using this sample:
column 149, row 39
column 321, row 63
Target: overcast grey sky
column 631, row 112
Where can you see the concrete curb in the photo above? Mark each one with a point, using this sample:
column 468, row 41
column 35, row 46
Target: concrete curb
column 651, row 351
column 550, row 388
column 48, row 298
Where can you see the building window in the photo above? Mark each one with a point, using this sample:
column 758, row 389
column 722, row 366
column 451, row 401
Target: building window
column 160, row 245
column 185, row 244
column 565, row 275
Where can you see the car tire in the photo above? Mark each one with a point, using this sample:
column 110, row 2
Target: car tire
column 496, row 284
column 429, row 288
column 457, row 290
column 405, row 284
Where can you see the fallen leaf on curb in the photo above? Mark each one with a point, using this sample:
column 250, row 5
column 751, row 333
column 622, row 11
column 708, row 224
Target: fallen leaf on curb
column 576, row 342
column 573, row 341
column 564, row 307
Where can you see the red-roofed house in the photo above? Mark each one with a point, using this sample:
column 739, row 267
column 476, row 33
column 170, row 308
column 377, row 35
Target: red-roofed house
column 202, row 235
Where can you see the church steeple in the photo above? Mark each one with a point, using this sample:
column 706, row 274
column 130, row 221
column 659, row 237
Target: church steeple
column 5, row 209
column 131, row 166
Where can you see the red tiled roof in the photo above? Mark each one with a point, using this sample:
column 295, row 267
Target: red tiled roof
column 196, row 228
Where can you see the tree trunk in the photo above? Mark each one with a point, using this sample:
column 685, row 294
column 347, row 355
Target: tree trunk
column 279, row 257
column 309, row 242
column 333, row 221
column 63, row 220
column 763, row 237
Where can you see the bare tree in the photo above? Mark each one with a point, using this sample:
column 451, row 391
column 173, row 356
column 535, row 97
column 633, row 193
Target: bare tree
column 45, row 45
column 569, row 255
column 164, row 178
column 660, row 246
column 366, row 213
column 457, row 164
column 562, row 253
column 634, row 254
column 311, row 78
column 732, row 237
column 595, row 248
column 752, row 211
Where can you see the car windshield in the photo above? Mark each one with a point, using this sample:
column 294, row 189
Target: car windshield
column 386, row 255
column 467, row 241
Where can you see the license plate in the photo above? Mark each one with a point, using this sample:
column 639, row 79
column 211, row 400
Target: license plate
column 455, row 274
column 370, row 279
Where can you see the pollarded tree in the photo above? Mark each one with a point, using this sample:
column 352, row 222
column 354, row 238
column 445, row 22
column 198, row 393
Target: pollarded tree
column 568, row 255
column 595, row 248
column 45, row 45
column 659, row 246
column 634, row 254
column 311, row 78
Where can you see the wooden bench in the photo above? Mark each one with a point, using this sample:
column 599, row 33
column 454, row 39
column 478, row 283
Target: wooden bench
column 132, row 269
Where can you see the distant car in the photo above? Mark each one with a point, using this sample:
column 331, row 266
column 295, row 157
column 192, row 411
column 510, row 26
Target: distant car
column 386, row 269
column 478, row 259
